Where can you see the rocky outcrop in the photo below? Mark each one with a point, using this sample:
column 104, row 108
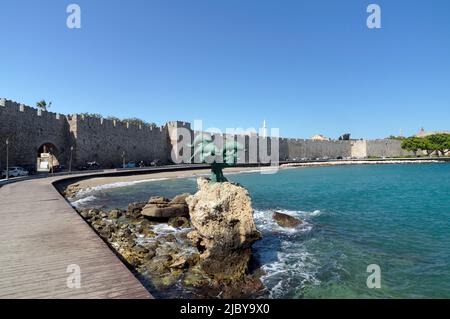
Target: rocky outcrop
column 224, row 230
column 160, row 207
column 285, row 220
column 221, row 228
column 161, row 257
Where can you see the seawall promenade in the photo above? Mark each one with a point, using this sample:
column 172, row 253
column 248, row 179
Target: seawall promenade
column 41, row 235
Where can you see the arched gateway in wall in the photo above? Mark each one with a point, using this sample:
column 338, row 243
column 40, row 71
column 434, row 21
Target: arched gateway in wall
column 47, row 157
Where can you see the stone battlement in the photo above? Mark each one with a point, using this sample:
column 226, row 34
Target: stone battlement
column 15, row 107
column 104, row 122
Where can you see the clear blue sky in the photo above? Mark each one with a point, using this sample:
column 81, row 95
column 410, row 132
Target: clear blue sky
column 306, row 67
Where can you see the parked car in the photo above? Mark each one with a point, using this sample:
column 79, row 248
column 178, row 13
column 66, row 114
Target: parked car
column 130, row 165
column 15, row 171
column 89, row 166
column 93, row 165
column 59, row 168
column 155, row 163
column 30, row 168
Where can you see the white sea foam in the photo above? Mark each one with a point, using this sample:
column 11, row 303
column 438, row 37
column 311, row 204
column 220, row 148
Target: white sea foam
column 181, row 244
column 265, row 222
column 164, row 228
column 90, row 190
column 294, row 267
column 300, row 214
column 82, row 201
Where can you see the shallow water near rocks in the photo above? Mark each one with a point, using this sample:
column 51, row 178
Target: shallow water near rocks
column 395, row 216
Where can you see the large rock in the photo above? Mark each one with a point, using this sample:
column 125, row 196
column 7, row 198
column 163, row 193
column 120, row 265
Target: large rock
column 180, row 199
column 224, row 230
column 134, row 210
column 160, row 207
column 285, row 220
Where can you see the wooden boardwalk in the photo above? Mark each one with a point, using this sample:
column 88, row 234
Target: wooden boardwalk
column 41, row 235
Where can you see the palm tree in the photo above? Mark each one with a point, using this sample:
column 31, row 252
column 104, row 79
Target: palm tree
column 43, row 106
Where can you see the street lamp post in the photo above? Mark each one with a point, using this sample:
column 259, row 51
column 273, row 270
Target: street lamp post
column 7, row 158
column 123, row 159
column 70, row 162
column 51, row 162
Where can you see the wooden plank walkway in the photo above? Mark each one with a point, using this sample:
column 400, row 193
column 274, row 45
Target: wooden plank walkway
column 41, row 235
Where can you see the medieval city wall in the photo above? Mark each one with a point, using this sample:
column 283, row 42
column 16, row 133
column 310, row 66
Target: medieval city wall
column 27, row 129
column 106, row 141
column 299, row 148
column 386, row 148
column 92, row 139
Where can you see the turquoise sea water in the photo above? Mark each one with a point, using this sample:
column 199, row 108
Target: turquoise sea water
column 395, row 216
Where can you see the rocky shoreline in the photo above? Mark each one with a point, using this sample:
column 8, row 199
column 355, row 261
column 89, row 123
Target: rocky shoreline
column 209, row 251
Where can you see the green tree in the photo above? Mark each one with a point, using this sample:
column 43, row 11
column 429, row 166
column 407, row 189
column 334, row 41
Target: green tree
column 428, row 146
column 137, row 121
column 439, row 142
column 393, row 137
column 412, row 144
column 133, row 120
column 95, row 115
column 43, row 105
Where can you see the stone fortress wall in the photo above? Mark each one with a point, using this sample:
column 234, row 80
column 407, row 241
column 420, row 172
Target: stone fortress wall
column 386, row 148
column 28, row 129
column 105, row 141
column 92, row 139
column 300, row 148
